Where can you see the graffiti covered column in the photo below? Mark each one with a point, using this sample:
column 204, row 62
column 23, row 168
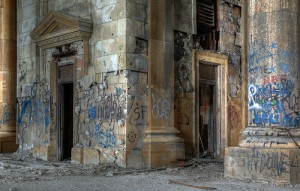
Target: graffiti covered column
column 269, row 148
column 273, row 65
column 7, row 76
column 161, row 146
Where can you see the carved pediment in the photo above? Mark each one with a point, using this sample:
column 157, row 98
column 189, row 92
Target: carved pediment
column 57, row 27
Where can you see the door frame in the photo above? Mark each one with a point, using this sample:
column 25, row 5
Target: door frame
column 221, row 134
column 54, row 30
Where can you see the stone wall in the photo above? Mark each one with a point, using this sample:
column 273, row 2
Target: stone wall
column 111, row 100
column 230, row 42
column 111, row 93
column 230, row 27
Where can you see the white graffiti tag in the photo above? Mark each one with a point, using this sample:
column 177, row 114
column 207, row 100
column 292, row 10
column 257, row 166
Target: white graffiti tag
column 252, row 104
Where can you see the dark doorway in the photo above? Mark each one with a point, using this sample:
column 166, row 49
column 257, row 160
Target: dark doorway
column 66, row 91
column 207, row 132
column 65, row 110
column 207, row 127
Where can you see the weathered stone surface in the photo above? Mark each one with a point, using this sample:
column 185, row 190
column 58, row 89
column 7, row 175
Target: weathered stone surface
column 90, row 156
column 41, row 152
column 263, row 164
column 77, row 155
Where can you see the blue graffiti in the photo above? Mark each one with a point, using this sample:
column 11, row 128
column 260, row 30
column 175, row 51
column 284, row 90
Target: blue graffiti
column 284, row 67
column 26, row 104
column 270, row 102
column 260, row 54
column 36, row 112
column 92, row 112
column 46, row 110
column 105, row 138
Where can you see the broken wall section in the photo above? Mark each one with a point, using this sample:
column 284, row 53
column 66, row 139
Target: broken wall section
column 230, row 27
column 227, row 39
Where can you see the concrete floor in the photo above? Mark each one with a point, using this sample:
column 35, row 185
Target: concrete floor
column 30, row 174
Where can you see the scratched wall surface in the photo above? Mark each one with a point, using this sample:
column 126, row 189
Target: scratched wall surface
column 273, row 63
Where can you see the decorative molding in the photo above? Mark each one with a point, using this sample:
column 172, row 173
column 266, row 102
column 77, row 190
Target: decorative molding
column 59, row 28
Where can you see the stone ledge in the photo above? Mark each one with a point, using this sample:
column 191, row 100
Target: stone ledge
column 274, row 165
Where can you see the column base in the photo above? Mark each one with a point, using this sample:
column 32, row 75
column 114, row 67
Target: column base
column 270, row 137
column 269, row 164
column 8, row 142
column 41, row 152
column 162, row 148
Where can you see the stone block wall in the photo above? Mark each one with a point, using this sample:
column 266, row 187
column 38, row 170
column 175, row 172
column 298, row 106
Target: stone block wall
column 111, row 101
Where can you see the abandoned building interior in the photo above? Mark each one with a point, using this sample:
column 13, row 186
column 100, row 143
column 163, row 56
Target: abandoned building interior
column 144, row 83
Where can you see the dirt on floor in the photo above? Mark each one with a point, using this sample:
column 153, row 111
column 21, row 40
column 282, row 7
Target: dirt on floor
column 29, row 174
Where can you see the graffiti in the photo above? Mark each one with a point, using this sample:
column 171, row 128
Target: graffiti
column 23, row 71
column 112, row 107
column 259, row 53
column 27, row 111
column 161, row 108
column 137, row 112
column 252, row 103
column 105, row 138
column 92, row 112
column 131, row 136
column 140, row 112
column 47, row 120
column 271, row 79
column 261, row 58
column 276, row 163
column 234, row 116
column 275, row 103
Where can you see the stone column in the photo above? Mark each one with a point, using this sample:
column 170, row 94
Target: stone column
column 7, row 75
column 161, row 146
column 269, row 147
column 273, row 72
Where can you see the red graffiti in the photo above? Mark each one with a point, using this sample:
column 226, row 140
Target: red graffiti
column 234, row 116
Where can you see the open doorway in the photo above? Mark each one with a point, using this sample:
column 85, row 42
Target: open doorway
column 65, row 111
column 210, row 127
column 207, row 114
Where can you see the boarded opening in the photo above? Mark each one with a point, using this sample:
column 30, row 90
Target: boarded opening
column 207, row 97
